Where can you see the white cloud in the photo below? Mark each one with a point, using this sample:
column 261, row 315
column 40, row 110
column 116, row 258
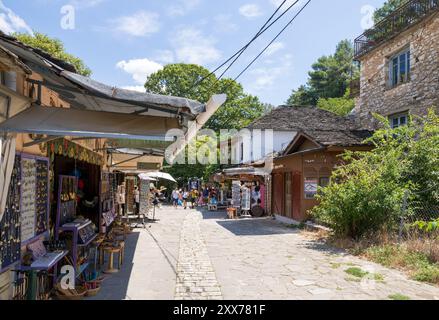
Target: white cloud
column 165, row 56
column 224, row 23
column 264, row 78
column 250, row 10
column 275, row 47
column 135, row 88
column 182, row 7
column 11, row 22
column 140, row 24
column 139, row 69
column 191, row 46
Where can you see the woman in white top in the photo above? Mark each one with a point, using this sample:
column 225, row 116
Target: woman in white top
column 137, row 199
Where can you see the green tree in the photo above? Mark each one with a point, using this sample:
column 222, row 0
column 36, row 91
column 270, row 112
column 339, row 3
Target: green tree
column 179, row 79
column 366, row 192
column 340, row 106
column 388, row 7
column 238, row 111
column 303, row 96
column 54, row 47
column 330, row 77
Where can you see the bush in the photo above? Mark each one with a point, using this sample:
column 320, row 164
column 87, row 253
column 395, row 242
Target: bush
column 367, row 191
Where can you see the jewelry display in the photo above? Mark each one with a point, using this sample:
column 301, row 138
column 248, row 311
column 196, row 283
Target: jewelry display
column 28, row 198
column 10, row 225
column 42, row 191
column 107, row 199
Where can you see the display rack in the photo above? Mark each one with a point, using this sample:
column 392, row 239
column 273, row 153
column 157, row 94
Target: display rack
column 80, row 232
column 130, row 182
column 34, row 198
column 10, row 234
column 106, row 201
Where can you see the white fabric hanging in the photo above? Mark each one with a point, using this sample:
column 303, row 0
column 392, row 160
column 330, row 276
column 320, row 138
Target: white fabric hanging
column 7, row 165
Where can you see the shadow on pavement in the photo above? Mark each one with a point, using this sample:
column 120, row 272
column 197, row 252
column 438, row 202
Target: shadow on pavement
column 115, row 286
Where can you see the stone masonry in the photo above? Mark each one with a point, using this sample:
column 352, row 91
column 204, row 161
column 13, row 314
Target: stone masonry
column 417, row 95
column 196, row 278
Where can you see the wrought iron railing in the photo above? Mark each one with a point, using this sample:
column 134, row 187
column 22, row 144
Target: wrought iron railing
column 398, row 21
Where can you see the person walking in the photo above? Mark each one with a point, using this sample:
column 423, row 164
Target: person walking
column 137, row 199
column 185, row 197
column 175, row 197
column 194, row 198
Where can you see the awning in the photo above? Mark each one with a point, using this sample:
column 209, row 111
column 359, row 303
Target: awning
column 99, row 110
column 135, row 160
column 84, row 123
column 246, row 171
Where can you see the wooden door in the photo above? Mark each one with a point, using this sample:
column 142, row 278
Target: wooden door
column 277, row 193
column 288, row 205
column 297, row 196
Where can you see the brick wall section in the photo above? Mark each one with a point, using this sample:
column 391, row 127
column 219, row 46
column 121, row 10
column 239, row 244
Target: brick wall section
column 419, row 94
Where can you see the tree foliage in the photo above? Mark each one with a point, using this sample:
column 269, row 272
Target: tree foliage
column 180, row 80
column 239, row 110
column 54, row 47
column 366, row 192
column 340, row 106
column 330, row 77
column 388, row 7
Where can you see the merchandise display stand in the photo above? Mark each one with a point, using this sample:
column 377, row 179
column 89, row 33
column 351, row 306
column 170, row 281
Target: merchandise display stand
column 107, row 208
column 81, row 232
column 10, row 225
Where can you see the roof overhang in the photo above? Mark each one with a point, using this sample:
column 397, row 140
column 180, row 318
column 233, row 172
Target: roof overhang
column 84, row 123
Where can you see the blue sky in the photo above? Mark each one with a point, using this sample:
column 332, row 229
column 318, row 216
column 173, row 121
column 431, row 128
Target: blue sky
column 124, row 41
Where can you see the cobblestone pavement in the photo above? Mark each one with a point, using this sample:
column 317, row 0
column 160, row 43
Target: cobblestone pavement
column 150, row 268
column 200, row 255
column 195, row 275
column 262, row 259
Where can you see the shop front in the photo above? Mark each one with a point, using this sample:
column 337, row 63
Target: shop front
column 245, row 189
column 306, row 166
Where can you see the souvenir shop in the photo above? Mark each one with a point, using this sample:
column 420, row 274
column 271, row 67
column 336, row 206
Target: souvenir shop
column 60, row 209
column 245, row 190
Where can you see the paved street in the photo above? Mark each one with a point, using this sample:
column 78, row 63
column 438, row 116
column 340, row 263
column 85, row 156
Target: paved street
column 201, row 255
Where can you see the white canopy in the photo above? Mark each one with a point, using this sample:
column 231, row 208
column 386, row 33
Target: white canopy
column 144, row 176
column 158, row 175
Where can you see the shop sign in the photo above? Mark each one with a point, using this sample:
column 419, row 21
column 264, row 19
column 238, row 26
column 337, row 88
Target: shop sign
column 148, row 166
column 311, row 186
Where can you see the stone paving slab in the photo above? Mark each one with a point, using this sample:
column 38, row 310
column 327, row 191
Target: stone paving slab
column 256, row 259
column 196, row 277
column 201, row 255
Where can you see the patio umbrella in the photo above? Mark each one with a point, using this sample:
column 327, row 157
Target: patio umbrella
column 145, row 176
column 161, row 175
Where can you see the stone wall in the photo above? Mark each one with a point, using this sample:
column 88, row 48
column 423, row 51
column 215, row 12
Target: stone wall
column 415, row 96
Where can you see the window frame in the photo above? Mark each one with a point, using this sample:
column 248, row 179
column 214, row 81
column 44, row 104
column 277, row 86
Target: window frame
column 398, row 117
column 396, row 65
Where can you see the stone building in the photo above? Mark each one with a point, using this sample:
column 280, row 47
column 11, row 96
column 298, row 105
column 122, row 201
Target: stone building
column 399, row 60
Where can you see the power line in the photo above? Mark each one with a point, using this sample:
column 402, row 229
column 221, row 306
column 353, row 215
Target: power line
column 263, row 29
column 257, row 35
column 273, row 40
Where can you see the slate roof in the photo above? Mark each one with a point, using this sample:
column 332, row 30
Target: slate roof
column 302, row 118
column 343, row 138
column 323, row 127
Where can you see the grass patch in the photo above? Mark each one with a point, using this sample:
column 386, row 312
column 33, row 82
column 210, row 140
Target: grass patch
column 360, row 274
column 356, row 272
column 398, row 296
column 417, row 264
column 335, row 265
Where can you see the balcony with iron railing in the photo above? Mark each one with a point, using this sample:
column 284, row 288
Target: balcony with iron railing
column 398, row 21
